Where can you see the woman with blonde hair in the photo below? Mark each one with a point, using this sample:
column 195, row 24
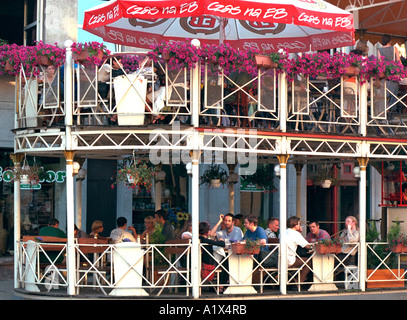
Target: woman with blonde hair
column 149, row 223
column 97, row 228
column 350, row 237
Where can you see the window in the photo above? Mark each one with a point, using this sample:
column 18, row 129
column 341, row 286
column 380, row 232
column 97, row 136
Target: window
column 33, row 13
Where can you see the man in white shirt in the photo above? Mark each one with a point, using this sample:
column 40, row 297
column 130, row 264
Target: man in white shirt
column 120, row 234
column 295, row 239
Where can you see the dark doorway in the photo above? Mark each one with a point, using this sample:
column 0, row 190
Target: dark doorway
column 319, row 207
column 12, row 21
column 101, row 199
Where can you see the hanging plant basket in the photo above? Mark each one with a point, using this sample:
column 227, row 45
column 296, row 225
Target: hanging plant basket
column 25, row 179
column 215, row 183
column 326, row 184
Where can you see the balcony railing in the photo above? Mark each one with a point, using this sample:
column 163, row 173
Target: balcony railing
column 154, row 94
column 131, row 269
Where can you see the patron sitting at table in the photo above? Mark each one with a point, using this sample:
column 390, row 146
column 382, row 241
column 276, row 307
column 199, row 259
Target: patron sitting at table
column 120, row 234
column 316, row 233
column 97, row 229
column 350, row 237
column 149, row 223
column 295, row 239
column 230, row 232
column 52, row 230
column 273, row 225
column 253, row 231
column 161, row 217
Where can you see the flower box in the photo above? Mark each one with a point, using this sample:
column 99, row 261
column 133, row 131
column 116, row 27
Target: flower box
column 323, row 249
column 400, row 248
column 44, row 61
column 263, row 61
column 352, row 71
column 85, row 54
column 240, row 248
column 8, row 66
column 378, row 277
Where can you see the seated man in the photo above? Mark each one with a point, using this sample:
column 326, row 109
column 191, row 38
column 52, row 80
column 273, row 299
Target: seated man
column 295, row 239
column 273, row 225
column 254, row 232
column 230, row 232
column 52, row 231
column 161, row 217
column 316, row 233
column 120, row 234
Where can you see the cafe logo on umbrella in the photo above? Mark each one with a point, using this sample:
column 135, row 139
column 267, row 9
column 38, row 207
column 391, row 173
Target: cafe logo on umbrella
column 204, row 24
column 263, row 28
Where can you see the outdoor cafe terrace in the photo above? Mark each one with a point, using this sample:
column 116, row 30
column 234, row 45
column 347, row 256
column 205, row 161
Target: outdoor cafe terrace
column 339, row 94
column 69, row 106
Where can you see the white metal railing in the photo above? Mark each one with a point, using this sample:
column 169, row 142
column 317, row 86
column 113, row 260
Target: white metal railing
column 150, row 269
column 155, row 94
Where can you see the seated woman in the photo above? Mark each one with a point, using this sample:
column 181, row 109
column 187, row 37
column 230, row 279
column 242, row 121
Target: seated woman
column 350, row 237
column 149, row 223
column 207, row 255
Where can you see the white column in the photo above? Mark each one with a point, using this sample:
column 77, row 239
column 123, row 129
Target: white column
column 282, row 98
column 70, row 221
column 363, row 109
column 68, row 84
column 283, row 223
column 362, row 223
column 195, row 256
column 17, row 219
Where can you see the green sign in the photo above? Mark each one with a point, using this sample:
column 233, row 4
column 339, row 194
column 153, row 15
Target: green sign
column 248, row 187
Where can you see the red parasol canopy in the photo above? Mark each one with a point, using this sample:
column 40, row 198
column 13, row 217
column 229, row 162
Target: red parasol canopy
column 295, row 25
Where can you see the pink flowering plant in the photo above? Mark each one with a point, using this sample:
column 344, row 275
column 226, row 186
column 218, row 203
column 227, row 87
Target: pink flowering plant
column 97, row 52
column 53, row 52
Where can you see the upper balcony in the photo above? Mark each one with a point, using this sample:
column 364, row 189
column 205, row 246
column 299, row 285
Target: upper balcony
column 132, row 92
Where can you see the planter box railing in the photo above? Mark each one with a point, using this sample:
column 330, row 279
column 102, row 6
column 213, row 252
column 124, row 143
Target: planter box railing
column 227, row 100
column 150, row 269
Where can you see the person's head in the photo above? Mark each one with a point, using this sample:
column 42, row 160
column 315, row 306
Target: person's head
column 149, row 222
column 54, row 223
column 238, row 220
column 314, row 227
column 273, row 224
column 121, row 222
column 204, row 228
column 363, row 47
column 229, row 221
column 160, row 216
column 386, row 39
column 351, row 221
column 293, row 222
column 250, row 223
column 97, row 226
column 117, row 62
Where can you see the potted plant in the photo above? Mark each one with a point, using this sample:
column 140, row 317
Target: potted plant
column 214, row 176
column 27, row 174
column 246, row 247
column 134, row 173
column 333, row 246
column 48, row 54
column 381, row 262
column 89, row 53
column 326, row 177
column 272, row 60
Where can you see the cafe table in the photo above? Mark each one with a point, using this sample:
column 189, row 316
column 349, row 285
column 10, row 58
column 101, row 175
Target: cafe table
column 240, row 273
column 323, row 268
column 128, row 269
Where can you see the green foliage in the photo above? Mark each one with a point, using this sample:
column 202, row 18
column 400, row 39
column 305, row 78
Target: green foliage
column 331, row 242
column 215, row 171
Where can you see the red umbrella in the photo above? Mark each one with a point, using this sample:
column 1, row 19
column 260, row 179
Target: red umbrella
column 295, row 25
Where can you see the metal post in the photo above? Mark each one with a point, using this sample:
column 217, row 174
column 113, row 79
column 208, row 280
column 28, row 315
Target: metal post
column 17, row 218
column 68, row 84
column 70, row 221
column 363, row 109
column 283, row 222
column 282, row 98
column 195, row 277
column 362, row 223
